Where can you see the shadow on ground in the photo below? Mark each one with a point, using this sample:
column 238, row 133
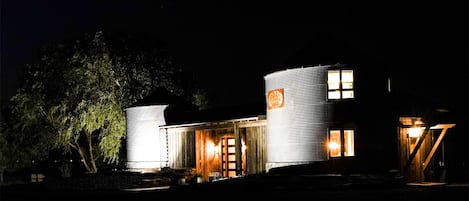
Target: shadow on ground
column 262, row 186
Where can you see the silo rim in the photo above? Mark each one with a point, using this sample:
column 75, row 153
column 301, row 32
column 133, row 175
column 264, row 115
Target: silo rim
column 295, row 68
column 145, row 106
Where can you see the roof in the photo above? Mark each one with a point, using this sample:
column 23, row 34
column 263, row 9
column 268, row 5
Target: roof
column 177, row 116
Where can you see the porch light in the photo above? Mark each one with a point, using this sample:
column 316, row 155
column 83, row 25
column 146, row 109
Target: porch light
column 333, row 145
column 415, row 132
column 213, row 149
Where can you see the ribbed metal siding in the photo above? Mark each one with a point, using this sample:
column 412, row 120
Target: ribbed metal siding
column 297, row 133
column 143, row 138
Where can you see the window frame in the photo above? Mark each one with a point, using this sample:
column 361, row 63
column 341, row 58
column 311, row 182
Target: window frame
column 342, row 143
column 341, row 89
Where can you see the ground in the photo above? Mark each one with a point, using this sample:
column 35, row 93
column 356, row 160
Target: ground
column 264, row 187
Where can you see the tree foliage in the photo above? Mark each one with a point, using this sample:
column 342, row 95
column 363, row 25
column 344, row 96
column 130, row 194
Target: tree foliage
column 74, row 98
column 20, row 149
column 4, row 151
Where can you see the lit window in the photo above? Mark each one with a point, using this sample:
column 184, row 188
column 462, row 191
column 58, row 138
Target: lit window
column 349, row 149
column 340, row 84
column 334, row 143
column 347, row 79
column 341, row 143
column 334, row 94
column 333, row 79
column 347, row 94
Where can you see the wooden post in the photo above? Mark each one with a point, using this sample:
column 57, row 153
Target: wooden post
column 238, row 149
column 416, row 148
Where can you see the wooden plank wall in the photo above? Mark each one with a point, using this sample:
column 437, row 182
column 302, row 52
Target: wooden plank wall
column 208, row 153
column 199, row 147
column 424, row 151
column 256, row 149
column 181, row 148
column 415, row 172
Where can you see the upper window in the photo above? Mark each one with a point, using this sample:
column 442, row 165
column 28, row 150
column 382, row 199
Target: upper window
column 340, row 84
column 341, row 143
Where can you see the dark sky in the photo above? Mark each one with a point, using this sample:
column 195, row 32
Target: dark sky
column 231, row 45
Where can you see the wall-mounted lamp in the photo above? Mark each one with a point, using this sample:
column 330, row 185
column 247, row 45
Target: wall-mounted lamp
column 333, row 145
column 213, row 149
column 415, row 132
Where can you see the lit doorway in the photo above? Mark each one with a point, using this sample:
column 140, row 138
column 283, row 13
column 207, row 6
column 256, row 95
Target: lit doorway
column 421, row 150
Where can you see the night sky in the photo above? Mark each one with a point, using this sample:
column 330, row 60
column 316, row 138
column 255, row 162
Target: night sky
column 231, row 45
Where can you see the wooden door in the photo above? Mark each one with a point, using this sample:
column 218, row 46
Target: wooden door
column 228, row 153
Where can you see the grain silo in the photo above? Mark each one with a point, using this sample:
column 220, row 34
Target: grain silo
column 296, row 116
column 144, row 142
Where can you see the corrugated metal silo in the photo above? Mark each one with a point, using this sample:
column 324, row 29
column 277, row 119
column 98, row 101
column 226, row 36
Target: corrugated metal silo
column 146, row 148
column 296, row 116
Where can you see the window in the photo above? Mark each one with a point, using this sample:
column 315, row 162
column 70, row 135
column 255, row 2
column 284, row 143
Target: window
column 335, row 143
column 341, row 142
column 340, row 84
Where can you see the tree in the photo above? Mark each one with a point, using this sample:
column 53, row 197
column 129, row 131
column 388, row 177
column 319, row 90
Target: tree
column 74, row 98
column 145, row 69
column 20, row 149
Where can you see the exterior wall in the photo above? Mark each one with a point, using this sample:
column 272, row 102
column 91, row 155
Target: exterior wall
column 373, row 115
column 421, row 150
column 181, row 148
column 199, row 146
column 256, row 155
column 297, row 131
column 142, row 128
column 208, row 148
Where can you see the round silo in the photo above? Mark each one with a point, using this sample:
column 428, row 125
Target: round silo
column 144, row 143
column 296, row 116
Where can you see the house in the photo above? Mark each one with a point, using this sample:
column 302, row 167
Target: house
column 339, row 118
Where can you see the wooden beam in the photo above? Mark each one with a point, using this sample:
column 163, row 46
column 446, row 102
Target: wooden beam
column 238, row 149
column 253, row 124
column 417, row 147
column 445, row 127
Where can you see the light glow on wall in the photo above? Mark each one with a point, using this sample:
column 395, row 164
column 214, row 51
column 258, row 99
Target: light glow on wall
column 143, row 137
column 212, row 149
column 297, row 133
column 415, row 132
